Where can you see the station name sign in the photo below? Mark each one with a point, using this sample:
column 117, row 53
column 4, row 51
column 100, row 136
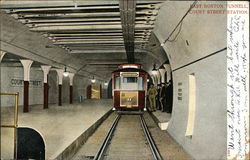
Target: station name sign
column 18, row 82
column 129, row 74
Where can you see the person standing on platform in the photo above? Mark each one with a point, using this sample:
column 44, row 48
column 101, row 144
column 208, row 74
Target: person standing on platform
column 169, row 97
column 163, row 97
column 152, row 93
column 158, row 101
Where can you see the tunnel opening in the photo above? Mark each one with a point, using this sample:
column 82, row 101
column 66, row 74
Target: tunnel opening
column 109, row 90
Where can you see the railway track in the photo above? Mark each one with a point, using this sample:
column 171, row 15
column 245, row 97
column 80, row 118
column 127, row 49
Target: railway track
column 128, row 138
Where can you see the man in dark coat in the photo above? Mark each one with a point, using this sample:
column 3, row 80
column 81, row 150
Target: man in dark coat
column 163, row 98
column 169, row 97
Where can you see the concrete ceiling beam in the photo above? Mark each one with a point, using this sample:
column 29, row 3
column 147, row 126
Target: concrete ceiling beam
column 142, row 18
column 92, row 34
column 18, row 4
column 97, row 45
column 73, row 8
column 96, row 51
column 80, row 40
column 93, row 48
column 71, row 15
column 84, row 34
column 107, row 61
column 93, row 42
column 85, row 23
column 61, row 3
column 87, row 15
column 87, row 37
column 88, row 27
column 98, row 39
column 94, row 37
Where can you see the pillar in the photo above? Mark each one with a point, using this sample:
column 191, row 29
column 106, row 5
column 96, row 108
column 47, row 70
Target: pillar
column 26, row 78
column 71, row 77
column 59, row 80
column 168, row 70
column 45, row 86
column 155, row 81
column 2, row 53
column 162, row 73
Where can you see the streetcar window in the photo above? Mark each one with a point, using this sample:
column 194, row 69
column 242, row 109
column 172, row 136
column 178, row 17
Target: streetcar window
column 117, row 83
column 141, row 83
column 129, row 79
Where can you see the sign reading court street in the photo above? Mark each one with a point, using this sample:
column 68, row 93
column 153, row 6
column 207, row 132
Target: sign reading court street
column 18, row 82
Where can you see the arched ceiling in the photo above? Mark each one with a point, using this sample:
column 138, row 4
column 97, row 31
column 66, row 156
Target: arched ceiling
column 89, row 37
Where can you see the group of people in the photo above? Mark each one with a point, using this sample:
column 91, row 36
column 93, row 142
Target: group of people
column 160, row 97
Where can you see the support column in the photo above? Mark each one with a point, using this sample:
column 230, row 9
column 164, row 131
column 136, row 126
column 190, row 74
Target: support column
column 155, row 80
column 2, row 53
column 60, row 80
column 168, row 70
column 45, row 86
column 26, row 78
column 71, row 77
column 162, row 73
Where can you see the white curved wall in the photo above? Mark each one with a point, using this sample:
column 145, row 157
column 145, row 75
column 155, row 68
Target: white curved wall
column 206, row 34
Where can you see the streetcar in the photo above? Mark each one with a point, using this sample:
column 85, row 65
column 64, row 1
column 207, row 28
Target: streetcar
column 129, row 84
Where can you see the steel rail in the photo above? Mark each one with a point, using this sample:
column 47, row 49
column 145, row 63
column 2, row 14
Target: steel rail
column 101, row 151
column 155, row 152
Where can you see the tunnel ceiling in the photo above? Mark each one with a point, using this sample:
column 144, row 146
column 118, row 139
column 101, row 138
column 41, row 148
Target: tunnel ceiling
column 98, row 33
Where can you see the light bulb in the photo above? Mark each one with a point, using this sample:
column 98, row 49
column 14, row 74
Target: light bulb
column 65, row 74
column 154, row 71
column 93, row 80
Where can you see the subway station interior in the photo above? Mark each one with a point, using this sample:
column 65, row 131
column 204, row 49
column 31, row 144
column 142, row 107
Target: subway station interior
column 60, row 68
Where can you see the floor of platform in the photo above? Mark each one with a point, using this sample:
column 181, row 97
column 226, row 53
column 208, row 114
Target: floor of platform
column 59, row 125
column 161, row 118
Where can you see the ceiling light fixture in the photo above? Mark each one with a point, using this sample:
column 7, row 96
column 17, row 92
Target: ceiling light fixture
column 65, row 73
column 105, row 83
column 93, row 80
column 154, row 71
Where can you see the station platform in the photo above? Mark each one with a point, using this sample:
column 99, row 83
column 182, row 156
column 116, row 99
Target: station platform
column 62, row 127
column 161, row 118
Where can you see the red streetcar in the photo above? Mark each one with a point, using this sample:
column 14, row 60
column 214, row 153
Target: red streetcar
column 129, row 87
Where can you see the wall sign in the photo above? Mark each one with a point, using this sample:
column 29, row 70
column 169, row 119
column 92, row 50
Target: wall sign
column 18, row 82
column 179, row 91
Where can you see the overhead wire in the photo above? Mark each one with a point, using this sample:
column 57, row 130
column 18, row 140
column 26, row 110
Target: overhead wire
column 179, row 24
column 174, row 39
